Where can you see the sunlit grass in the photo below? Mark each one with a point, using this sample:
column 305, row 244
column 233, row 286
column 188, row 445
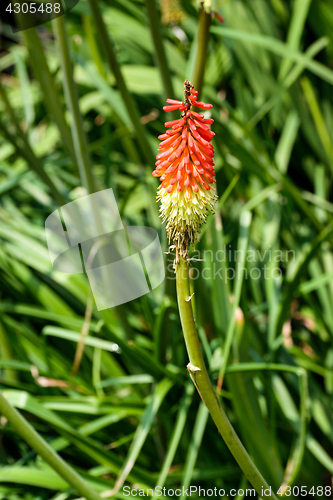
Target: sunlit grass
column 267, row 334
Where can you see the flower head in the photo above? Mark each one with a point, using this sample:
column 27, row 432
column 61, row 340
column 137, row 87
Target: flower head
column 186, row 169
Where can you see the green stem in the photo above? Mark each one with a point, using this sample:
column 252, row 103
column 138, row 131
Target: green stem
column 79, row 139
column 155, row 28
column 7, row 354
column 45, row 451
column 202, row 49
column 45, row 79
column 126, row 96
column 202, row 382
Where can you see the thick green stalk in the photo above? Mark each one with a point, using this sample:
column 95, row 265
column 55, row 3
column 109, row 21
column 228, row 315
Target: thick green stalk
column 155, row 28
column 202, row 382
column 79, row 139
column 202, row 49
column 126, row 96
column 35, row 441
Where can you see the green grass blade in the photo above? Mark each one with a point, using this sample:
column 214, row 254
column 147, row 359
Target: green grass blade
column 142, row 431
column 245, row 222
column 279, row 48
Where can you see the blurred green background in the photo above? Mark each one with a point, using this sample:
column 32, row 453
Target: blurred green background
column 125, row 409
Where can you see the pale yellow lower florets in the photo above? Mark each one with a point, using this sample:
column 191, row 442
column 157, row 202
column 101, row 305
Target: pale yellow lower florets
column 184, row 217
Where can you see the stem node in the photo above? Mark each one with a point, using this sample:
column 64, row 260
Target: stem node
column 198, row 373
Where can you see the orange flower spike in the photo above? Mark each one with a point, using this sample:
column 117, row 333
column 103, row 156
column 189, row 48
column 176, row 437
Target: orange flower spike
column 186, row 169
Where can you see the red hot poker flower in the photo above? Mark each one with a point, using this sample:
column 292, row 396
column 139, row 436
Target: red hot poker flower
column 186, row 169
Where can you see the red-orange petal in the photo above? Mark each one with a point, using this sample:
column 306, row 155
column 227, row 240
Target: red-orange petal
column 173, row 101
column 203, row 105
column 171, row 108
